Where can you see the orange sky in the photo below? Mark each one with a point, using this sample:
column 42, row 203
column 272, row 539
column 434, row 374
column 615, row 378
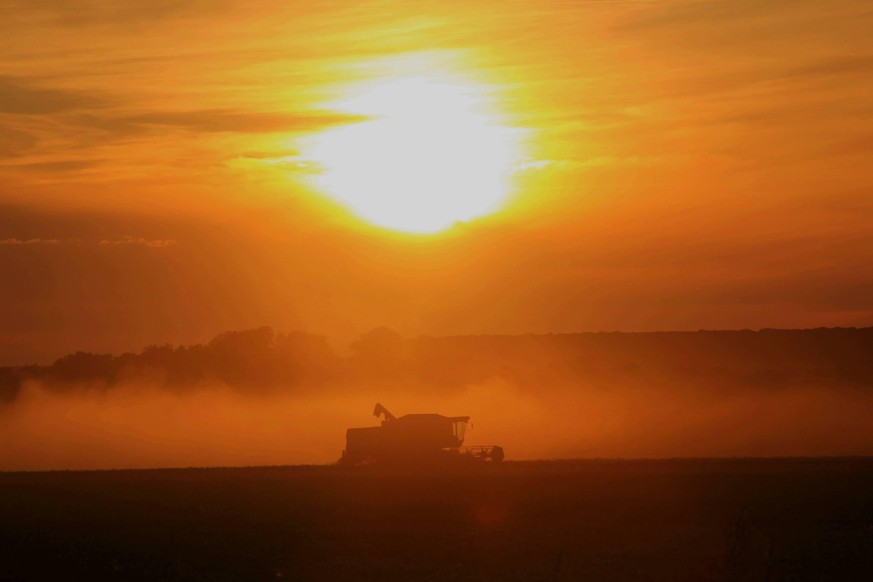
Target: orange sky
column 680, row 165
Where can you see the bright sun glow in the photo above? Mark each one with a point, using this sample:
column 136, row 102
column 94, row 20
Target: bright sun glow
column 430, row 153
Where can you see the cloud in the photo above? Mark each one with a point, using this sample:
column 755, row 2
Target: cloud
column 841, row 65
column 25, row 96
column 54, row 167
column 88, row 127
column 126, row 240
column 592, row 162
column 131, row 240
column 14, row 142
column 113, row 126
column 30, row 241
column 694, row 13
column 219, row 120
column 117, row 12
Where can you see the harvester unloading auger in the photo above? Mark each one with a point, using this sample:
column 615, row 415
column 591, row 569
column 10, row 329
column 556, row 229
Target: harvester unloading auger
column 414, row 438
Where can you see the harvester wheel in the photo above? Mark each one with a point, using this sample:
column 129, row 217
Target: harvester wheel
column 497, row 454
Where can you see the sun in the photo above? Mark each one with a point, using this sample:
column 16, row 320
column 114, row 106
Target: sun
column 430, row 152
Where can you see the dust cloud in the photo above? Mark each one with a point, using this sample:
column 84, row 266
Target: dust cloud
column 140, row 426
column 645, row 421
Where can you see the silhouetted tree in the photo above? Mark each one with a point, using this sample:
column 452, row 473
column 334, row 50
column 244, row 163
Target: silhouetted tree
column 10, row 384
column 244, row 357
column 83, row 367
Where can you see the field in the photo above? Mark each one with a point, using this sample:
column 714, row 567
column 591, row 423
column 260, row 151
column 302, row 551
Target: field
column 704, row 519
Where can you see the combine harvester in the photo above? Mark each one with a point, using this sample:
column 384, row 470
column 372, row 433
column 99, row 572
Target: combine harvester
column 414, row 438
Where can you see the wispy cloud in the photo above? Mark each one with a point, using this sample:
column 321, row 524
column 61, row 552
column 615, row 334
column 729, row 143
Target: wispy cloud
column 123, row 12
column 30, row 241
column 123, row 241
column 145, row 242
column 54, row 167
column 29, row 96
column 210, row 121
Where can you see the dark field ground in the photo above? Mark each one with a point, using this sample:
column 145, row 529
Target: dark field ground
column 744, row 519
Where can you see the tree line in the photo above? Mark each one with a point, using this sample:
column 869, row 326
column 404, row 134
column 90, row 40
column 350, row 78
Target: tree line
column 261, row 360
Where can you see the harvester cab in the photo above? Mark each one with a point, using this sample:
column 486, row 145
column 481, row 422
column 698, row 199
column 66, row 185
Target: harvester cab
column 413, row 437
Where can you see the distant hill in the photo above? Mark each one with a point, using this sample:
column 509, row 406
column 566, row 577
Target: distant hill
column 261, row 360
